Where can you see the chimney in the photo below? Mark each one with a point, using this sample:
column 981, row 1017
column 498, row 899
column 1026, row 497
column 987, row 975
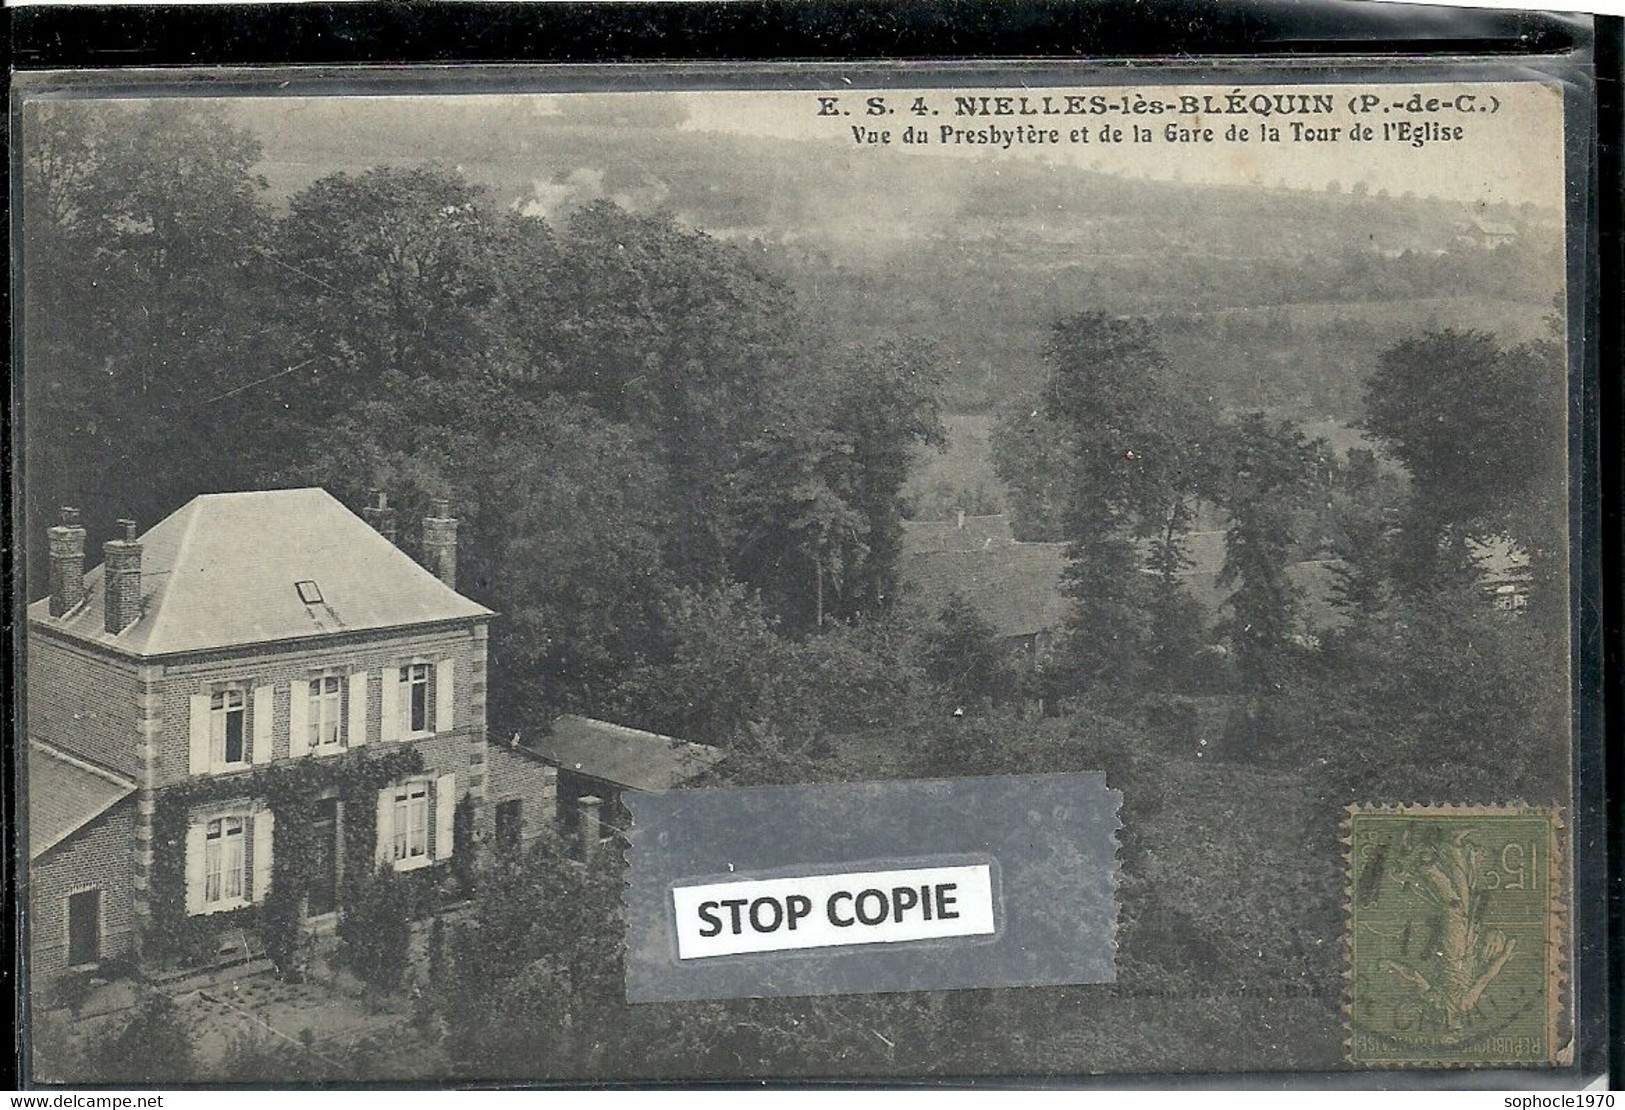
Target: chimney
column 67, row 562
column 380, row 516
column 440, row 542
column 121, row 579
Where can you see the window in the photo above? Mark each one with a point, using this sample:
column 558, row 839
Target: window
column 415, row 822
column 226, row 717
column 225, row 862
column 415, row 702
column 309, row 592
column 324, row 712
column 411, row 821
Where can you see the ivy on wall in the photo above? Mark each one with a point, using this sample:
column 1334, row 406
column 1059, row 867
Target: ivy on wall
column 291, row 790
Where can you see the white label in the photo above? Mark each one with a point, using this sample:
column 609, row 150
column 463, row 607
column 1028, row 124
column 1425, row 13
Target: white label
column 826, row 911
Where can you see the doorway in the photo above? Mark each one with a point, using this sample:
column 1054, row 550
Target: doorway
column 323, row 894
column 85, row 928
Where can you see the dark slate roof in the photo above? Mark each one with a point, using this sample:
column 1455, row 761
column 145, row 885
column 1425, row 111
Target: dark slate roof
column 220, row 572
column 976, row 534
column 1015, row 587
column 627, row 757
column 65, row 794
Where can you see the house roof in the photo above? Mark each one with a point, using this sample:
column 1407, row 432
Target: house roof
column 628, row 757
column 976, row 534
column 66, row 794
column 1015, row 587
column 221, row 571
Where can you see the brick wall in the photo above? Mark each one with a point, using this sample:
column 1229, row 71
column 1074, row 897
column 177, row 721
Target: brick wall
column 136, row 719
column 281, row 667
column 84, row 702
column 518, row 776
column 97, row 856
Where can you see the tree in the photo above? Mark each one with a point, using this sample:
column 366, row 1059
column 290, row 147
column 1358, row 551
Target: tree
column 532, row 987
column 1032, row 455
column 1137, row 462
column 717, row 674
column 152, row 1048
column 390, row 275
column 1270, row 466
column 1480, row 428
column 805, row 532
column 678, row 335
column 965, row 658
column 143, row 309
column 885, row 399
column 375, row 929
column 820, row 488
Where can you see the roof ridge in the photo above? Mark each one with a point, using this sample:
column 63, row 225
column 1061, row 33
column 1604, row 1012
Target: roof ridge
column 83, row 764
column 160, row 589
column 623, row 728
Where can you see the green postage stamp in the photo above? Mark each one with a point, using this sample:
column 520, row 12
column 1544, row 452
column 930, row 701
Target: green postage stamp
column 1456, row 936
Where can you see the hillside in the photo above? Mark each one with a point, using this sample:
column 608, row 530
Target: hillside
column 986, row 258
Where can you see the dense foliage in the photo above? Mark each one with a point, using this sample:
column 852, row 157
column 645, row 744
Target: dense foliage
column 623, row 410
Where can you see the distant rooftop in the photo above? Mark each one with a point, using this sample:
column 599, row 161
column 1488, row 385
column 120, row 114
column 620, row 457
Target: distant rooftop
column 628, row 757
column 231, row 569
column 972, row 533
column 1016, row 587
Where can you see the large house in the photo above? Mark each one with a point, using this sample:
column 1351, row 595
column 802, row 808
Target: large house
column 258, row 674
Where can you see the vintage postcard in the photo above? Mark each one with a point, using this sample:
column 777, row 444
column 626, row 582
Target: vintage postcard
column 956, row 546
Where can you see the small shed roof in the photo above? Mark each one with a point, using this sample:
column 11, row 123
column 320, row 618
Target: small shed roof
column 627, row 757
column 65, row 794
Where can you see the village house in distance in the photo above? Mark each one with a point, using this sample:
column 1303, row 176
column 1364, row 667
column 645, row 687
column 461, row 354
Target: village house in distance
column 257, row 673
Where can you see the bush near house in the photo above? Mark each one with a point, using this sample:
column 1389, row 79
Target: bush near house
column 375, row 930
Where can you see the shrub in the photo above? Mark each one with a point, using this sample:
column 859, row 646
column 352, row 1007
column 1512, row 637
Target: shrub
column 152, row 1048
column 375, row 930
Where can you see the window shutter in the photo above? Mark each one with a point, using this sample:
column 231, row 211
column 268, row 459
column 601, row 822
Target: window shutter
column 264, row 826
column 443, row 696
column 299, row 718
column 357, row 728
column 389, row 704
column 194, row 864
column 200, row 734
column 445, row 813
column 264, row 722
column 386, row 823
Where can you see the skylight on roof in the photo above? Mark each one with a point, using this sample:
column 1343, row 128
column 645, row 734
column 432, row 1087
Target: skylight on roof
column 309, row 592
